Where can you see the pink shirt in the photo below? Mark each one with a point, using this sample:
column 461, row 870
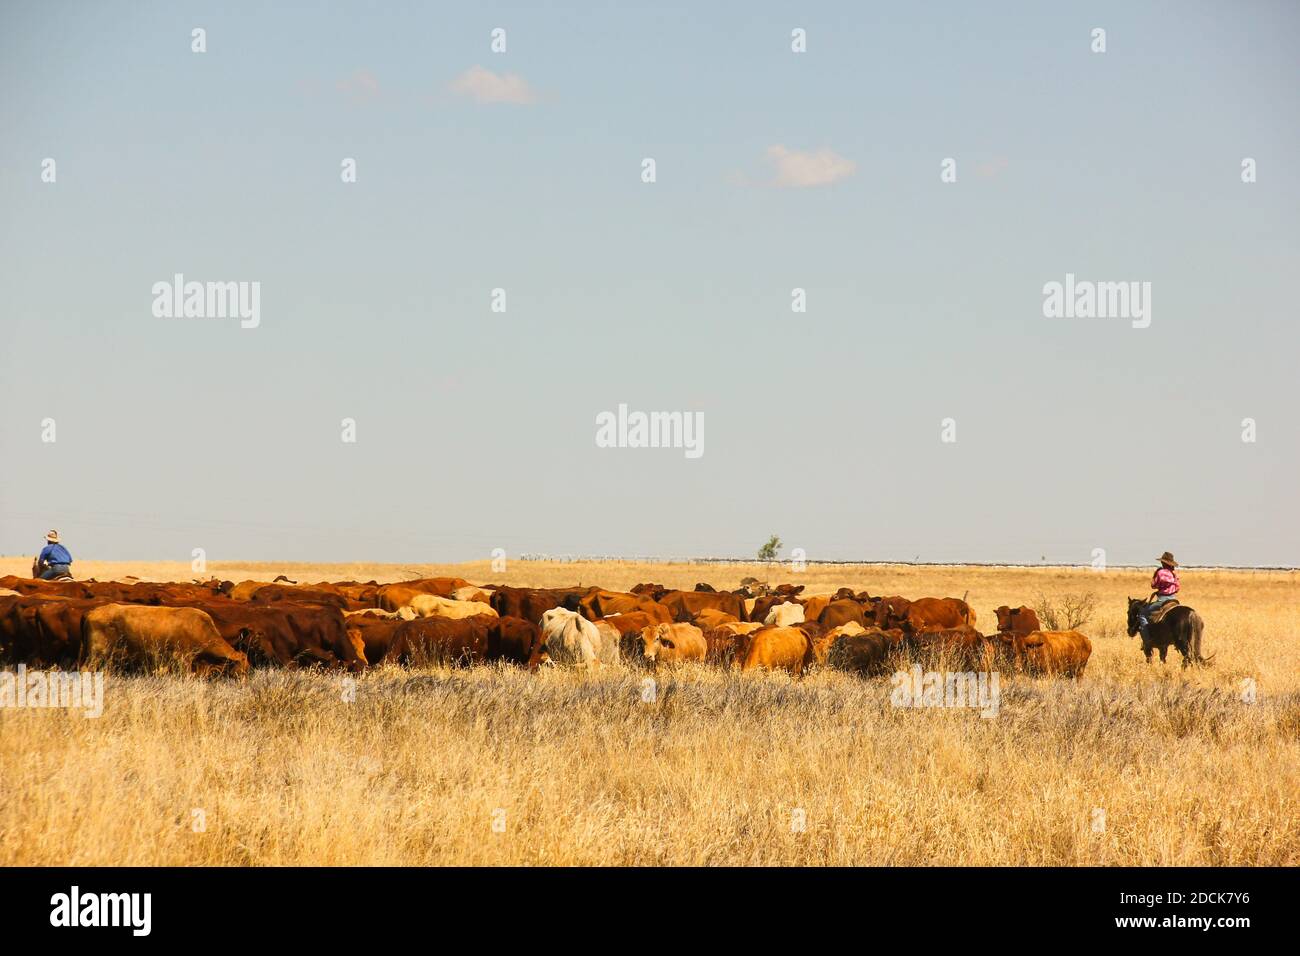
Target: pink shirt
column 1165, row 582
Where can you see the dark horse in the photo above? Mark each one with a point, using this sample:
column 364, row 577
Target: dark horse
column 1181, row 627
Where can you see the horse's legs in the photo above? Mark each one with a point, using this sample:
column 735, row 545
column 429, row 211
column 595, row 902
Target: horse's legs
column 1164, row 649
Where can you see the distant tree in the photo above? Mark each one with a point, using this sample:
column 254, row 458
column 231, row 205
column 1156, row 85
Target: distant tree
column 1066, row 612
column 768, row 551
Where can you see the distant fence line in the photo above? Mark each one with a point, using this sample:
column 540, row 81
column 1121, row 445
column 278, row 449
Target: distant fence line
column 696, row 559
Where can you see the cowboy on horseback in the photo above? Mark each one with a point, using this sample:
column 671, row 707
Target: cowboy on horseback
column 1164, row 584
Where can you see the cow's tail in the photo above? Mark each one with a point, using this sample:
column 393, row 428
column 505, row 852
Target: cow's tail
column 969, row 612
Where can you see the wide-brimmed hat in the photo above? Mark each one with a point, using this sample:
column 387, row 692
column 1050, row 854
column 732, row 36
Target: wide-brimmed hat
column 52, row 537
column 1168, row 558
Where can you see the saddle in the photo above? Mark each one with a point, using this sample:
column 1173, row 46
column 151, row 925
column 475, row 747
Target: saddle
column 1159, row 613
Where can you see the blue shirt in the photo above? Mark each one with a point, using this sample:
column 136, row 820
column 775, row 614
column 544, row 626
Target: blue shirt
column 55, row 554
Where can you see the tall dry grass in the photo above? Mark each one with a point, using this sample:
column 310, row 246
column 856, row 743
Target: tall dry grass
column 420, row 765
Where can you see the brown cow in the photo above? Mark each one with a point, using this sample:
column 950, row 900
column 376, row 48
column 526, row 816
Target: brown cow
column 779, row 648
column 813, row 606
column 840, row 611
column 726, row 643
column 924, row 614
column 1063, row 653
column 686, row 605
column 600, row 603
column 650, row 590
column 711, row 617
column 153, row 636
column 1017, row 620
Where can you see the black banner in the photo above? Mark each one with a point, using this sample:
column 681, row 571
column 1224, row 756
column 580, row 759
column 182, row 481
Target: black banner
column 333, row 906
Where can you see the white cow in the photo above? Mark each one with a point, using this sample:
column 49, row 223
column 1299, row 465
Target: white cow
column 570, row 639
column 785, row 615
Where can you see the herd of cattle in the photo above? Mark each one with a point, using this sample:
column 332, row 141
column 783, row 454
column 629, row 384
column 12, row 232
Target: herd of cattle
column 219, row 627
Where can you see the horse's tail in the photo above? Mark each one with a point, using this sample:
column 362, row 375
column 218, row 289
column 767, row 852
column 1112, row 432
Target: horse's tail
column 1198, row 628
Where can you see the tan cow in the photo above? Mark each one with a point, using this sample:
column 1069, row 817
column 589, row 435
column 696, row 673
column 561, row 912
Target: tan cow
column 155, row 636
column 430, row 605
column 673, row 643
column 244, row 590
column 473, row 593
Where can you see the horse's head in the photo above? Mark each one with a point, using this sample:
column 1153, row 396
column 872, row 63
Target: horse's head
column 1134, row 605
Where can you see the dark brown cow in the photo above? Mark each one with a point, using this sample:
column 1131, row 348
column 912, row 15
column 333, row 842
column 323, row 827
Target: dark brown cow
column 43, row 631
column 285, row 634
column 375, row 634
column 963, row 647
column 532, row 603
column 441, row 640
column 516, row 641
column 1017, row 620
column 869, row 654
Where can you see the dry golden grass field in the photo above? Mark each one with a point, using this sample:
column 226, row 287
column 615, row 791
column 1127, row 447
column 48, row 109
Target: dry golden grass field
column 1133, row 765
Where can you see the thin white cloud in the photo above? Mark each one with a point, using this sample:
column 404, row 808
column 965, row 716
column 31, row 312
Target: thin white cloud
column 359, row 87
column 795, row 169
column 485, row 86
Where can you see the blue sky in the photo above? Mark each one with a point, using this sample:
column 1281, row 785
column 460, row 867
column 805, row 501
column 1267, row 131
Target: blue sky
column 475, row 429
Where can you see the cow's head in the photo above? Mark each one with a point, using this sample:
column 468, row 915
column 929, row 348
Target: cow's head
column 655, row 639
